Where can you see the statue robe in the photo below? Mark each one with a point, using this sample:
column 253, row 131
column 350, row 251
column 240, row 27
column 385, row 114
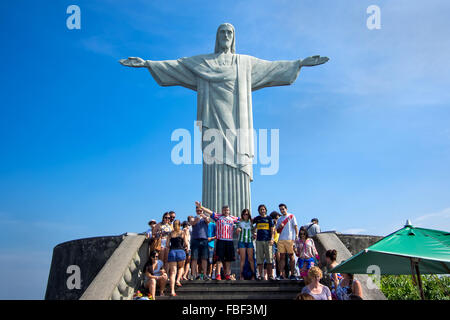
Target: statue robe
column 224, row 103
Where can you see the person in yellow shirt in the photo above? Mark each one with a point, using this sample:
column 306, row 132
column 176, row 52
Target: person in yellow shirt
column 275, row 215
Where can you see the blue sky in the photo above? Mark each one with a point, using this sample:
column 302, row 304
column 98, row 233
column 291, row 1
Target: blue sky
column 85, row 143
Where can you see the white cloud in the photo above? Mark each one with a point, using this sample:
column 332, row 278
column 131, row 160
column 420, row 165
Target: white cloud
column 437, row 220
column 99, row 45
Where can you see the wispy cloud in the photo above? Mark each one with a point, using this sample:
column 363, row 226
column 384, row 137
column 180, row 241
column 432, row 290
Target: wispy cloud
column 438, row 220
column 38, row 225
column 99, row 45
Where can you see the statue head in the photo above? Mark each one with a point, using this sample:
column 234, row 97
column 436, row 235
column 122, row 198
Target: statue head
column 225, row 38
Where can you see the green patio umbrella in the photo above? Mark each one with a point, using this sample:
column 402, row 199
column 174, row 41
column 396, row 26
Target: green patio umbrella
column 409, row 250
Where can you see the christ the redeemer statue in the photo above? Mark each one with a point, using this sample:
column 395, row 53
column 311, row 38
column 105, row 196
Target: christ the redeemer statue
column 224, row 82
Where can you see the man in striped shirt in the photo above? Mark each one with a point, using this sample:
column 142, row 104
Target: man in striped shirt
column 224, row 233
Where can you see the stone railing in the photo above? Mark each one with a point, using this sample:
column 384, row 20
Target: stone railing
column 330, row 240
column 122, row 273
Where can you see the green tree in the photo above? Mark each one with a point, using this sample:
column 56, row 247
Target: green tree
column 403, row 288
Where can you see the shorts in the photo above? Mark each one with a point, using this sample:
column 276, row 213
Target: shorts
column 225, row 251
column 245, row 245
column 286, row 246
column 176, row 255
column 211, row 255
column 263, row 252
column 309, row 263
column 199, row 249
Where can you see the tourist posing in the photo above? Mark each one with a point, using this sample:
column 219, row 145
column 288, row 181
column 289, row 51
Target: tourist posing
column 265, row 233
column 163, row 230
column 306, row 252
column 199, row 244
column 288, row 230
column 155, row 275
column 224, row 231
column 245, row 242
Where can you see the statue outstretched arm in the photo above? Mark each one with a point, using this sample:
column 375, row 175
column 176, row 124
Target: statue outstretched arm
column 135, row 62
column 166, row 73
column 313, row 61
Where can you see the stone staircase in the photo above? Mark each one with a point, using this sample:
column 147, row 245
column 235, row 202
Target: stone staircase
column 236, row 290
column 111, row 269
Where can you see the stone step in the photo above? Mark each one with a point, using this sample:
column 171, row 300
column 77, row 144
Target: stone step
column 231, row 290
column 241, row 296
column 253, row 283
column 236, row 290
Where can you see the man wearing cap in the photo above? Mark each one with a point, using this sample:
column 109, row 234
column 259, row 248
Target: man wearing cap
column 149, row 233
column 313, row 228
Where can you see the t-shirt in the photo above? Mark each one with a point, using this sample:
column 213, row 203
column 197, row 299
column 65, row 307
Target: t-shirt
column 224, row 226
column 157, row 271
column 200, row 230
column 307, row 249
column 312, row 229
column 211, row 233
column 263, row 227
column 246, row 231
column 149, row 233
column 276, row 236
column 288, row 232
column 324, row 295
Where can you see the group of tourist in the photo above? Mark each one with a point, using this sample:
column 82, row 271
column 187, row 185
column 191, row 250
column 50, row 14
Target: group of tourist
column 202, row 248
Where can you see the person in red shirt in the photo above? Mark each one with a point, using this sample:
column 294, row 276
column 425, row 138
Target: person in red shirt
column 224, row 232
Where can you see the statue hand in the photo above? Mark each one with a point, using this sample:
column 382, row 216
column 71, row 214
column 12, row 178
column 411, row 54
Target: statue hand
column 314, row 61
column 133, row 62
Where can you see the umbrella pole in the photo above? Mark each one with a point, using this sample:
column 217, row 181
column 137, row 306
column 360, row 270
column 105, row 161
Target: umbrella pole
column 413, row 273
column 419, row 281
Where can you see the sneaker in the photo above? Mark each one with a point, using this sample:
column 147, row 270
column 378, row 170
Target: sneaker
column 199, row 277
column 227, row 277
column 206, row 278
column 259, row 278
column 292, row 277
column 218, row 277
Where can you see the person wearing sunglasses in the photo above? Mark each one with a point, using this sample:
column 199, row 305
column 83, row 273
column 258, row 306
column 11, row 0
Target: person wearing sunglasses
column 199, row 244
column 155, row 275
column 172, row 215
column 306, row 252
column 164, row 228
column 245, row 242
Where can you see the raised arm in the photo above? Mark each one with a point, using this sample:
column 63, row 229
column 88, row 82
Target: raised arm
column 206, row 210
